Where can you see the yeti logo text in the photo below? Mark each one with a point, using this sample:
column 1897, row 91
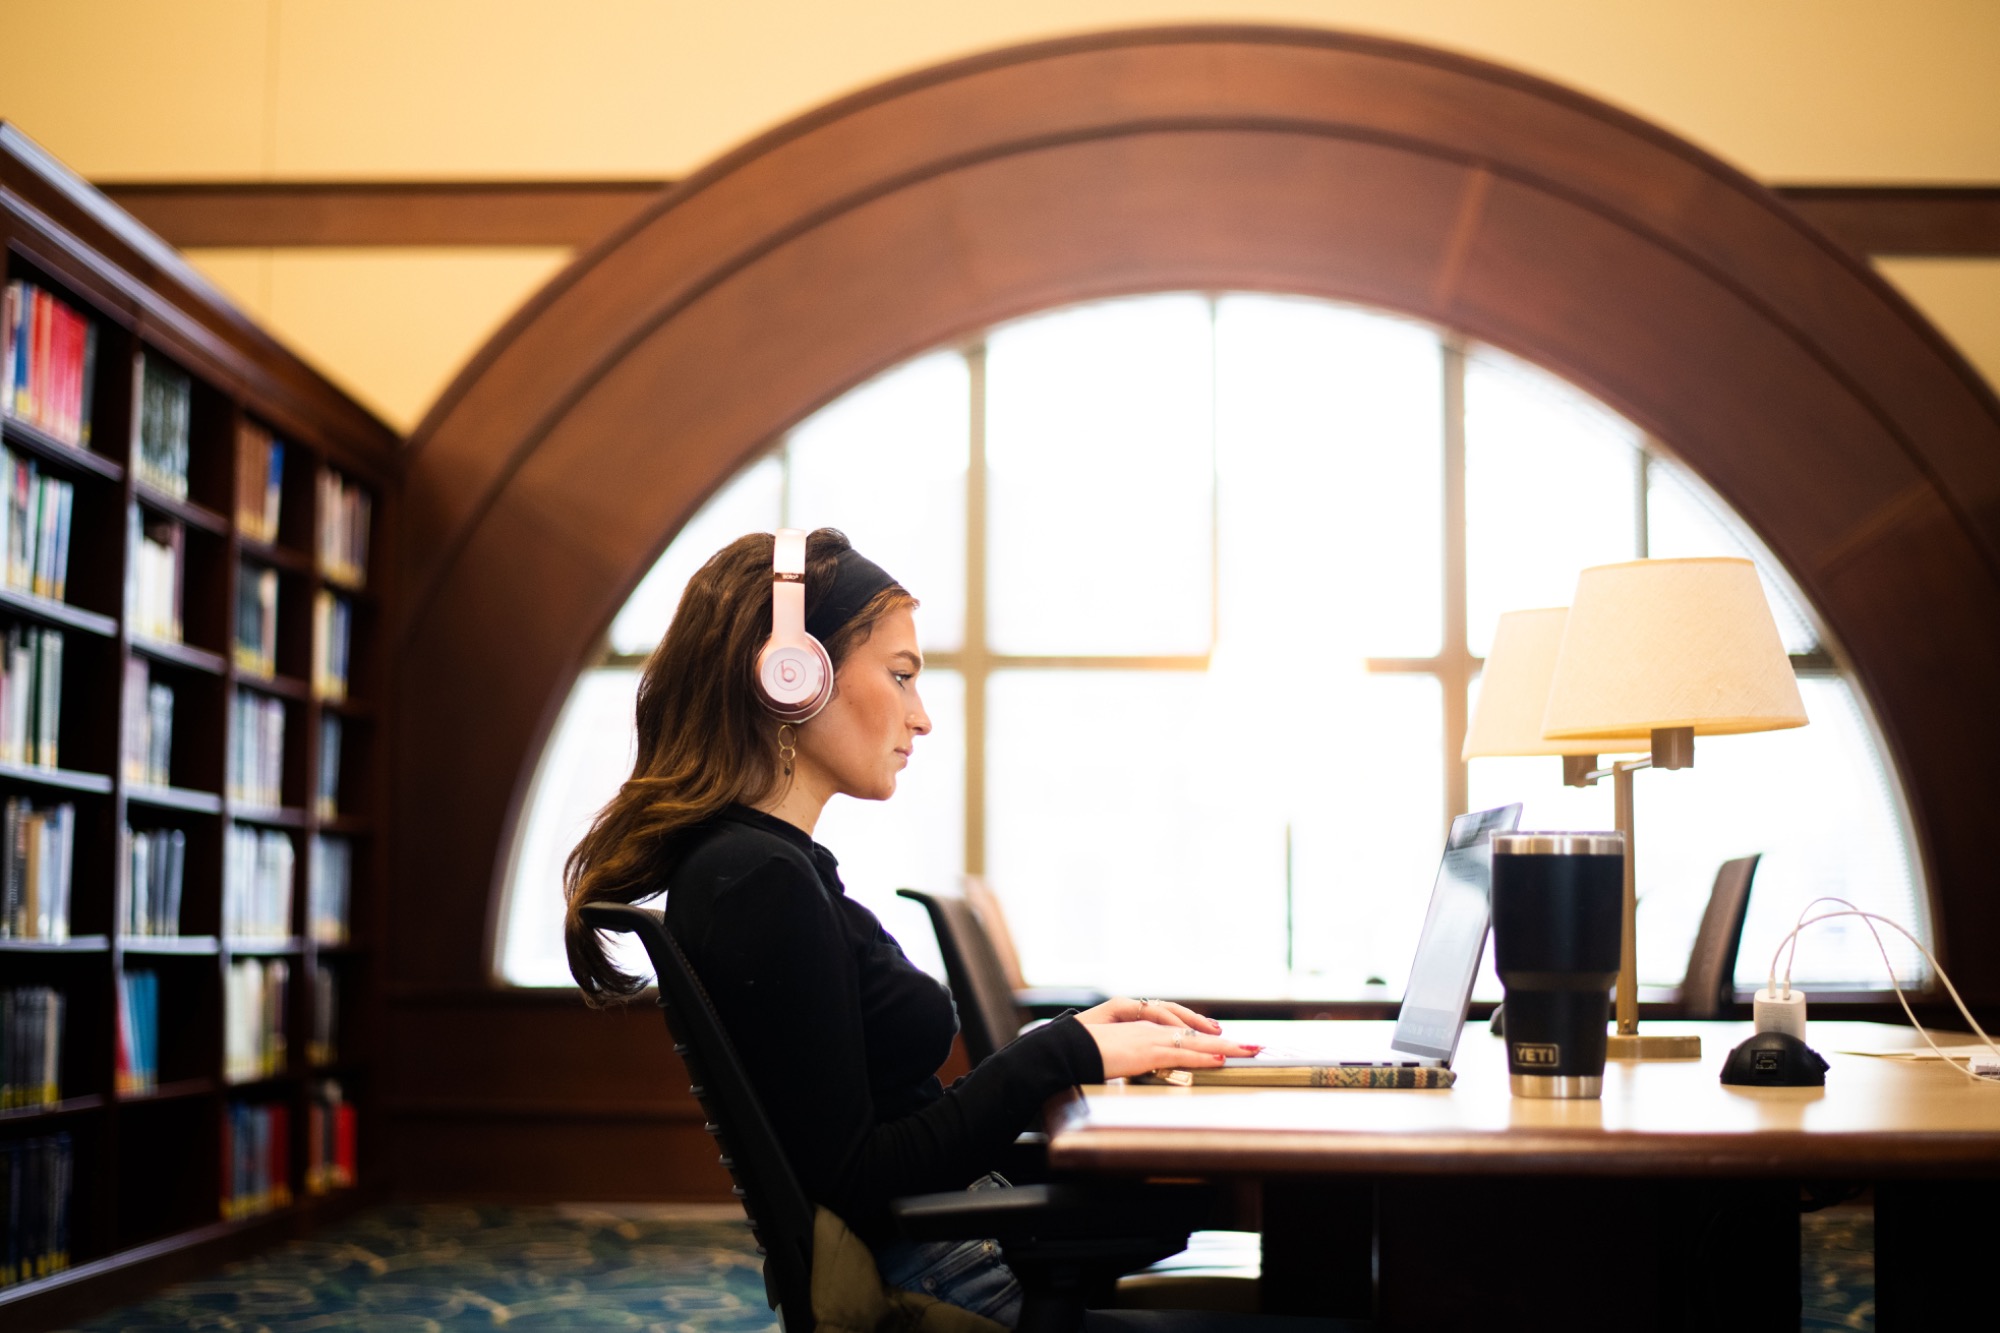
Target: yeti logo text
column 1545, row 1054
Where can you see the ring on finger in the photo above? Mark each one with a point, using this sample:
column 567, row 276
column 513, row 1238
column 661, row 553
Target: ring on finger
column 1180, row 1037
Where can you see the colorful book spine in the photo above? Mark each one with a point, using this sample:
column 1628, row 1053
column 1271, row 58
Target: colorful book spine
column 331, row 876
column 257, row 750
column 154, row 591
column 326, row 784
column 31, row 677
column 330, row 1136
column 138, row 1058
column 333, row 629
column 36, row 1179
column 257, row 620
column 344, row 512
column 149, row 727
column 37, row 866
column 160, row 443
column 48, row 363
column 35, row 526
column 254, row 1019
column 256, row 1159
column 158, row 864
column 260, row 483
column 258, row 876
column 1306, row 1076
column 31, row 1040
column 323, row 1045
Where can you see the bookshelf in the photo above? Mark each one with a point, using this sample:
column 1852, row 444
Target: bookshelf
column 191, row 686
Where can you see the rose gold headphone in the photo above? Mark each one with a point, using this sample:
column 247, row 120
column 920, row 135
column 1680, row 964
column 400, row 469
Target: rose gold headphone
column 794, row 674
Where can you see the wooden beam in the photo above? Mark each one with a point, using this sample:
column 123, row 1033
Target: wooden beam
column 1903, row 220
column 1871, row 220
column 255, row 215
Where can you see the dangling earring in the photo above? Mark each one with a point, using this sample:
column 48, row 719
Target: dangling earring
column 787, row 750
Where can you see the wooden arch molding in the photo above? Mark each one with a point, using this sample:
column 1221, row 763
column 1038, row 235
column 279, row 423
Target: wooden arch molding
column 1809, row 395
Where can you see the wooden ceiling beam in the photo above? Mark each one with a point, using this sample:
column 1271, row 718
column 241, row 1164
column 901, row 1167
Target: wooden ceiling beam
column 1870, row 220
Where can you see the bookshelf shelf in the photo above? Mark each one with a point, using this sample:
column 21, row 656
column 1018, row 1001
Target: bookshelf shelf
column 179, row 1090
column 51, row 612
column 25, row 438
column 181, row 459
column 63, row 779
column 279, row 817
column 180, row 655
column 74, row 944
column 278, row 557
column 171, row 946
column 68, row 1106
column 252, row 946
column 176, row 798
column 191, row 514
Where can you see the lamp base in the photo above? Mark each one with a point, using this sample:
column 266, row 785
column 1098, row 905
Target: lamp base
column 1641, row 1046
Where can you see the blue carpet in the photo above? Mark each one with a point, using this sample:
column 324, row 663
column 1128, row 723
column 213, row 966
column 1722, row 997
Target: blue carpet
column 443, row 1268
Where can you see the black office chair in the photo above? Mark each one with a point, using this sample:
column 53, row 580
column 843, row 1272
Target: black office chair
column 1220, row 1270
column 1710, row 985
column 1063, row 1242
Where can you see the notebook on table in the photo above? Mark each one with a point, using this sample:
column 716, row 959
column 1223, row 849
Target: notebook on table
column 1432, row 1017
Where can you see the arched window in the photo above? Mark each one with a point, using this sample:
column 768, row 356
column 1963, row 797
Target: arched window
column 1205, row 584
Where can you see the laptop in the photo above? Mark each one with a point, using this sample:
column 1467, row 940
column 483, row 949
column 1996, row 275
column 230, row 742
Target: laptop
column 1432, row 1017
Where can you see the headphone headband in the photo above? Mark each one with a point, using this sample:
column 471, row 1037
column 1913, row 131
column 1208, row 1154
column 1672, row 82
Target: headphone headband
column 793, row 671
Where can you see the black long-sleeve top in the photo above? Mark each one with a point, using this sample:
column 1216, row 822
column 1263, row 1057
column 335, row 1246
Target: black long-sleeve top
column 840, row 1033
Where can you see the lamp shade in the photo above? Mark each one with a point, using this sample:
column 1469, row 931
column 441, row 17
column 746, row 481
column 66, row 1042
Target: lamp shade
column 1671, row 643
column 1514, row 689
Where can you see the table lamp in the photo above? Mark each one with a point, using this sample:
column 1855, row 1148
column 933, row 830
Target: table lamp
column 1653, row 654
column 1514, row 697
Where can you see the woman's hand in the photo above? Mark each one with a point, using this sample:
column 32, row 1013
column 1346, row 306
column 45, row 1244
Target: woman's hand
column 1129, row 1048
column 1121, row 1010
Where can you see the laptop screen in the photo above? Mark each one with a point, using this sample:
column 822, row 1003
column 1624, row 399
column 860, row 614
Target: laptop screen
column 1454, row 937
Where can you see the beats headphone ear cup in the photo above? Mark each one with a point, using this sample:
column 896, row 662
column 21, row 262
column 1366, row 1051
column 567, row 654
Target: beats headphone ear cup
column 795, row 678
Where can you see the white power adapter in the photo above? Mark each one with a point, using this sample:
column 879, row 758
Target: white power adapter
column 1781, row 1011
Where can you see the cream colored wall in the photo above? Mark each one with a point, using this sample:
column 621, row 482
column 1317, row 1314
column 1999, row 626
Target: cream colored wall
column 1791, row 90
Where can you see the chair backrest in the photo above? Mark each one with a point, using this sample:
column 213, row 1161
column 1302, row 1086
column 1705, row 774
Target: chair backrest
column 781, row 1217
column 986, row 906
column 988, row 1017
column 1711, row 976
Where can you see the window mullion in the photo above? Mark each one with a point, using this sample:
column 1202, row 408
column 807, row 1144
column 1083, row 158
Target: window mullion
column 1456, row 664
column 975, row 661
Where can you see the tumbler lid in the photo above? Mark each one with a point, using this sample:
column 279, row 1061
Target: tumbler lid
column 1559, row 844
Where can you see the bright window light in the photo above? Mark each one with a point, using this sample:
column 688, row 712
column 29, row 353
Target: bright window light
column 1211, row 686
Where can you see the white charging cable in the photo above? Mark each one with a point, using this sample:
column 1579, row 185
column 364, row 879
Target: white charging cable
column 1870, row 919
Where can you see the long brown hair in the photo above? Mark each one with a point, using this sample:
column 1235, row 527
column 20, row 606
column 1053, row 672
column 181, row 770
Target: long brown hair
column 705, row 739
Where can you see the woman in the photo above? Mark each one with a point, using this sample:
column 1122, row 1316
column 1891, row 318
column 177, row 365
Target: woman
column 839, row 1032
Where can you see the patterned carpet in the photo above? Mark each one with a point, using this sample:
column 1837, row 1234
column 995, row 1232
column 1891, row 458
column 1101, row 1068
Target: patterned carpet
column 446, row 1268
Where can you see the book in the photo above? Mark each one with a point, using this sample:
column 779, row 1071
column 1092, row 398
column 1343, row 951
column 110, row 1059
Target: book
column 258, row 878
column 160, row 440
column 1305, row 1076
column 330, row 875
column 154, row 591
column 257, row 620
column 333, row 621
column 343, row 529
column 48, row 363
column 35, row 1182
column 257, row 750
column 326, row 785
column 158, row 863
column 37, row 858
column 260, row 479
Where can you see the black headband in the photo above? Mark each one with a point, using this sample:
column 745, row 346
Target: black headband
column 856, row 580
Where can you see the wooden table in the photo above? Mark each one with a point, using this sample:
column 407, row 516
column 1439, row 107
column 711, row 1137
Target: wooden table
column 1672, row 1200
